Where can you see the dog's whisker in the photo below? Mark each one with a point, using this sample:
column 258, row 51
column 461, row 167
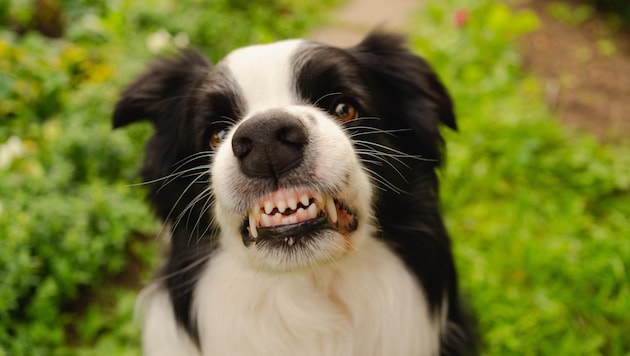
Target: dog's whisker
column 172, row 175
column 367, row 130
column 186, row 173
column 187, row 268
column 228, row 119
column 360, row 118
column 384, row 159
column 325, row 96
column 204, row 212
column 379, row 178
column 181, row 196
column 188, row 208
column 182, row 162
column 396, row 153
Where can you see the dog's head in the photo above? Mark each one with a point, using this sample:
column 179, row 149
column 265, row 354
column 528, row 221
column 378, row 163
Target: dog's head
column 290, row 154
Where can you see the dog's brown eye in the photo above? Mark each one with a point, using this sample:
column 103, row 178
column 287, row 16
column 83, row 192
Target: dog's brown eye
column 217, row 137
column 345, row 112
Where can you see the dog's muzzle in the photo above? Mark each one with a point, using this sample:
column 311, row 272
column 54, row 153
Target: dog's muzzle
column 270, row 145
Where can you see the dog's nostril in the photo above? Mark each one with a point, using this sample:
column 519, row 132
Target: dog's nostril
column 241, row 146
column 269, row 144
column 292, row 135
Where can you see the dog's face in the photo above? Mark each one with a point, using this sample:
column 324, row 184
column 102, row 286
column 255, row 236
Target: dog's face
column 303, row 144
column 286, row 178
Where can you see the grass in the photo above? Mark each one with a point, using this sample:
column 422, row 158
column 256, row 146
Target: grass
column 539, row 213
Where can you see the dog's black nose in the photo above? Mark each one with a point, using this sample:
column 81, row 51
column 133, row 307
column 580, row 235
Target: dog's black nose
column 269, row 144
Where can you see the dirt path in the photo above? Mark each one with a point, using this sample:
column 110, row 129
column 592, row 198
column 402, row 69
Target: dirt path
column 350, row 22
column 585, row 69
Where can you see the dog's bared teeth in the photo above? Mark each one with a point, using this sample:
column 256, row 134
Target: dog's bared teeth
column 282, row 206
column 252, row 225
column 292, row 203
column 304, row 199
column 268, row 207
column 301, row 214
column 312, row 211
column 331, row 209
column 265, row 220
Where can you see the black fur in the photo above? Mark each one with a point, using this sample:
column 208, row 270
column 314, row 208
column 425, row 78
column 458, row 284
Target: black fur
column 384, row 80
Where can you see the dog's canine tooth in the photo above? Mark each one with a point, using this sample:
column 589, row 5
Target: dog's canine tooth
column 304, row 199
column 255, row 211
column 331, row 209
column 252, row 226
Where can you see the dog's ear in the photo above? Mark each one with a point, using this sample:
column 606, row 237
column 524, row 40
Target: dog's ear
column 407, row 87
column 160, row 89
column 406, row 75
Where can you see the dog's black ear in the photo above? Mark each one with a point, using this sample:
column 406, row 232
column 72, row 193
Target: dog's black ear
column 407, row 88
column 160, row 89
column 405, row 75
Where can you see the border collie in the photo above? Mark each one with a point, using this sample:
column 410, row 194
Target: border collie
column 297, row 182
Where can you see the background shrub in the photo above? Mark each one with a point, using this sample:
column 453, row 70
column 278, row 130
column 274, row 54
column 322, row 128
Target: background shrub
column 539, row 214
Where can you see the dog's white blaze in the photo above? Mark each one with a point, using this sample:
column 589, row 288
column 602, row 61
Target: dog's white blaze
column 261, row 70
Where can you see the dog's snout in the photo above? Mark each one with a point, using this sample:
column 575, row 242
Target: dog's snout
column 269, row 144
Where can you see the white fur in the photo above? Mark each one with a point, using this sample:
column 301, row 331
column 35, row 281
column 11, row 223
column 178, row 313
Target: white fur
column 365, row 304
column 161, row 336
column 261, row 70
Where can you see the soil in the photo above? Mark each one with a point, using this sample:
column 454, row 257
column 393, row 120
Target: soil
column 585, row 69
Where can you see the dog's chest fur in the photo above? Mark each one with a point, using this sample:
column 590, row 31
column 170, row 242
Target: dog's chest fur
column 366, row 304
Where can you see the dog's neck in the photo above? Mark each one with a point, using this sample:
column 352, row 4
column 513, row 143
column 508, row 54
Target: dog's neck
column 366, row 303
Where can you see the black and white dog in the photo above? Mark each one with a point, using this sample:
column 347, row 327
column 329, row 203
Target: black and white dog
column 297, row 182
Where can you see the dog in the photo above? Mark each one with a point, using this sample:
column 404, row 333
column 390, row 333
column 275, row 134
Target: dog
column 297, row 183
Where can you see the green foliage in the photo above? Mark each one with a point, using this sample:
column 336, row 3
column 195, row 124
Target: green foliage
column 539, row 214
column 69, row 219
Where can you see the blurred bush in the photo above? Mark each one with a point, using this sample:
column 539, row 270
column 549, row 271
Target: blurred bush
column 538, row 214
column 68, row 211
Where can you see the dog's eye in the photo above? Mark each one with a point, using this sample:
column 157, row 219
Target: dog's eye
column 345, row 112
column 217, row 137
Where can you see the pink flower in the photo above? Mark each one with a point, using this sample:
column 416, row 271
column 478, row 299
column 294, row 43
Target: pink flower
column 460, row 17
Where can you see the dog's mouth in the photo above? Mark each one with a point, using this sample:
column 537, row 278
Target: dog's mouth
column 289, row 217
